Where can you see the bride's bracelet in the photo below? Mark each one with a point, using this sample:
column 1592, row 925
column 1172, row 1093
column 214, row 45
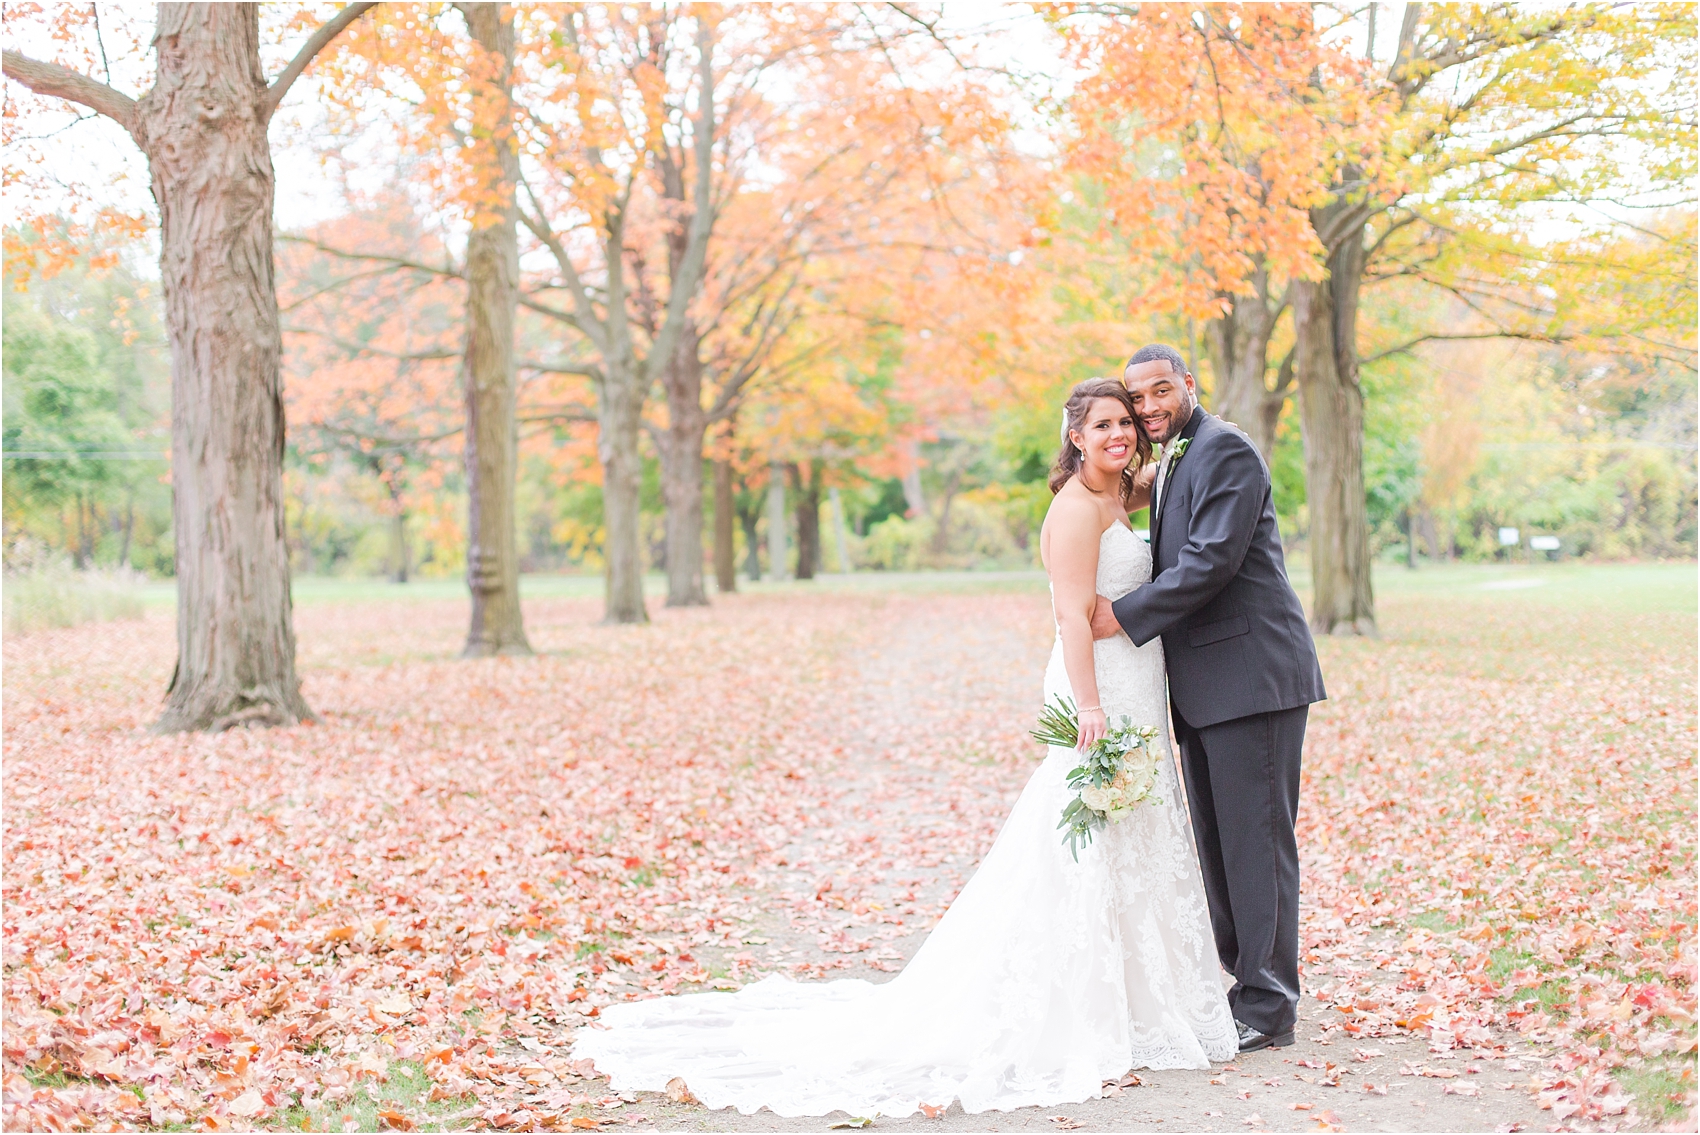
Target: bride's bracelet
column 1091, row 709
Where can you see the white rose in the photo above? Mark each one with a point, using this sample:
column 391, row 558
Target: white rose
column 1095, row 798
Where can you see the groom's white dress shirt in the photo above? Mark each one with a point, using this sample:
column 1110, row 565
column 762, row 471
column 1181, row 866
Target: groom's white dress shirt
column 1162, row 476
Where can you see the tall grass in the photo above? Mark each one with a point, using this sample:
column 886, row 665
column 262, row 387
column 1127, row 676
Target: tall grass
column 54, row 594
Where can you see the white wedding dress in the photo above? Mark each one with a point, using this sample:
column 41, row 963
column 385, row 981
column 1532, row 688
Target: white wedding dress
column 1045, row 977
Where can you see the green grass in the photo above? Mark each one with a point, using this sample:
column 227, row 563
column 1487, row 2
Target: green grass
column 407, row 1091
column 57, row 1079
column 1660, row 1088
column 1431, row 920
column 55, row 595
column 1504, row 960
column 1627, row 588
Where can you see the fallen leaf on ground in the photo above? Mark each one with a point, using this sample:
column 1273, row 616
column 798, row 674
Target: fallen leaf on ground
column 248, row 1104
column 444, row 789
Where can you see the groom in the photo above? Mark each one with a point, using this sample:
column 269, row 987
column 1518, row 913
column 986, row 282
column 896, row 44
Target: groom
column 1242, row 675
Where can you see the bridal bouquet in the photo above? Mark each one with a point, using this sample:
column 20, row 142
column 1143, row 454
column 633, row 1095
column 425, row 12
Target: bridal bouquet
column 1114, row 776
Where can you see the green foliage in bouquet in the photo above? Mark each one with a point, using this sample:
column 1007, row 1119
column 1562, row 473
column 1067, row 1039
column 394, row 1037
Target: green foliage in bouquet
column 1115, row 774
column 1058, row 724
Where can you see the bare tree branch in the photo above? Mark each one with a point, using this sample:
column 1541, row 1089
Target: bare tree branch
column 355, row 348
column 583, row 315
column 56, row 81
column 328, row 31
column 1402, row 348
column 336, row 284
column 444, row 269
column 588, row 370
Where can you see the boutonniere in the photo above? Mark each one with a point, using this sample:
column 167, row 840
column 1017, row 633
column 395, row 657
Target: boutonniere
column 1180, row 450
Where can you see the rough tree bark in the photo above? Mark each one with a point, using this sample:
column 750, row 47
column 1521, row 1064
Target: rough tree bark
column 1332, row 418
column 1239, row 356
column 680, row 445
column 619, row 423
column 487, row 372
column 202, row 127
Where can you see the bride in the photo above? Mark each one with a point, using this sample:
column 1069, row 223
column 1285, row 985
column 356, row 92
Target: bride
column 1045, row 977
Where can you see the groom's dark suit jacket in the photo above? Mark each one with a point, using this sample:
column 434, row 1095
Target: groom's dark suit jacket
column 1233, row 632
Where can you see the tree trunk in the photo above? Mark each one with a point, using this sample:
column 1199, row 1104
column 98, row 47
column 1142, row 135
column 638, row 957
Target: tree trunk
column 622, row 484
column 840, row 531
column 725, row 567
column 82, row 556
column 1430, row 534
column 952, row 482
column 399, row 557
column 808, row 519
column 203, row 128
column 492, row 294
column 681, row 472
column 1332, row 416
column 1239, row 356
column 619, row 422
column 776, row 553
column 129, row 527
column 749, row 518
column 912, row 495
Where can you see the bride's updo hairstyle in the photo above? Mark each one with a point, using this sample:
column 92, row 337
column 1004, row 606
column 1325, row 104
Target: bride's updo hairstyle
column 1079, row 402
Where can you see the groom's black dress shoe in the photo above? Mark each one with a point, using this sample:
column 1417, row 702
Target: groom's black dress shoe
column 1251, row 1040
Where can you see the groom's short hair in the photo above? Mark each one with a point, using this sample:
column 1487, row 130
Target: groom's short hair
column 1158, row 351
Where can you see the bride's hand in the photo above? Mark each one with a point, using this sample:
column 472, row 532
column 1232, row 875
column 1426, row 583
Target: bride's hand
column 1094, row 727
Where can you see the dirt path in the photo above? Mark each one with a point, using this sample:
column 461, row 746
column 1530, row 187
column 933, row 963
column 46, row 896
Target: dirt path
column 939, row 674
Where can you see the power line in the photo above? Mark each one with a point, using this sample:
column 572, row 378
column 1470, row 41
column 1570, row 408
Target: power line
column 65, row 454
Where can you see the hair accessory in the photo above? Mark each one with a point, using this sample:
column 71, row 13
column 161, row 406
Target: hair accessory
column 1065, row 424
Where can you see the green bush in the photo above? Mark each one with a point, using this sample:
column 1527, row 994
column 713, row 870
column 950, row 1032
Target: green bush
column 982, row 537
column 54, row 594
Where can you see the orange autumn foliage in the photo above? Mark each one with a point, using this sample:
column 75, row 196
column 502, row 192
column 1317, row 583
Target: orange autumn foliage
column 1212, row 130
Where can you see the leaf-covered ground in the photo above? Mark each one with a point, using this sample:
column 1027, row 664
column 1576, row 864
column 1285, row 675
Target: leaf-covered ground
column 397, row 916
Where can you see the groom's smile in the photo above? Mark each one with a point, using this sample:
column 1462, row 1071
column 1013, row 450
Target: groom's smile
column 1162, row 398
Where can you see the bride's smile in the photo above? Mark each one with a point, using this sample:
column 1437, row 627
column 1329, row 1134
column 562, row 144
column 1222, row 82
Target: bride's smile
column 1106, row 443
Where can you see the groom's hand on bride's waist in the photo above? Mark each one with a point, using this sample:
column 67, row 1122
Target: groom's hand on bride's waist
column 1104, row 621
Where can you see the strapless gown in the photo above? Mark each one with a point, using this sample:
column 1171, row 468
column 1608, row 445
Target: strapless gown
column 1045, row 977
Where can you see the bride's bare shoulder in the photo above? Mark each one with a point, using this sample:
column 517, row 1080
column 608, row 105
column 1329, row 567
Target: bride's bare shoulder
column 1074, row 513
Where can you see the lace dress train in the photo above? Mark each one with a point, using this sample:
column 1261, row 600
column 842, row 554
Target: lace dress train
column 1045, row 977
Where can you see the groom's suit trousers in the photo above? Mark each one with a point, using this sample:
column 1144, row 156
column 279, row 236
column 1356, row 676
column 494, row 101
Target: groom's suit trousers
column 1242, row 786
